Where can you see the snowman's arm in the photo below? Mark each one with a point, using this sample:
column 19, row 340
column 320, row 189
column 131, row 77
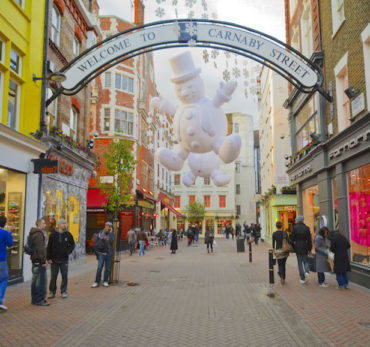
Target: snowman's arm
column 163, row 105
column 223, row 93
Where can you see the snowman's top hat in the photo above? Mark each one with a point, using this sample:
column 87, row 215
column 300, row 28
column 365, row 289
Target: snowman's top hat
column 183, row 67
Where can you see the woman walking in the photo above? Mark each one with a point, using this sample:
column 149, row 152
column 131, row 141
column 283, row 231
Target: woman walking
column 322, row 251
column 339, row 246
column 208, row 238
column 277, row 244
column 173, row 246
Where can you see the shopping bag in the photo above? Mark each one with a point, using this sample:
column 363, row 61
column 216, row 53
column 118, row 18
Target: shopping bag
column 312, row 262
column 214, row 244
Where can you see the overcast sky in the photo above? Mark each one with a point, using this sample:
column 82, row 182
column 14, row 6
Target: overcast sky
column 266, row 16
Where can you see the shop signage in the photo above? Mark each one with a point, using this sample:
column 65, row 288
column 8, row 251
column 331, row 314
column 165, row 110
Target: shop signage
column 193, row 32
column 106, row 180
column 354, row 142
column 64, row 166
column 286, row 208
column 301, row 173
column 45, row 166
column 145, row 203
column 358, row 105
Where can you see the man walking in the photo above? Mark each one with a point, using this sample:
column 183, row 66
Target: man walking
column 104, row 249
column 131, row 237
column 39, row 264
column 6, row 240
column 60, row 246
column 302, row 242
column 141, row 237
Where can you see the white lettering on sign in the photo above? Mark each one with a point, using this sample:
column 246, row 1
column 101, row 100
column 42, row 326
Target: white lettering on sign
column 300, row 173
column 180, row 32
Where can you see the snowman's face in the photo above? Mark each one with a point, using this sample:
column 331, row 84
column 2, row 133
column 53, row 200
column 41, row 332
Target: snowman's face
column 190, row 91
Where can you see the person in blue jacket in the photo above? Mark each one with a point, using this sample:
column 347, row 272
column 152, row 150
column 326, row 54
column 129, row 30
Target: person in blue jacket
column 6, row 240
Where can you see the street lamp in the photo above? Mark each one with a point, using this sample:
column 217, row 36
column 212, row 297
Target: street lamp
column 55, row 76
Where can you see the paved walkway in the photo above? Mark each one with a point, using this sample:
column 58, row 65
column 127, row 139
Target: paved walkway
column 190, row 299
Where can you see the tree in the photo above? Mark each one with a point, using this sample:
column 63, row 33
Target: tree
column 195, row 211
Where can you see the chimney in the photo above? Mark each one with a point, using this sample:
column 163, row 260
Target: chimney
column 139, row 12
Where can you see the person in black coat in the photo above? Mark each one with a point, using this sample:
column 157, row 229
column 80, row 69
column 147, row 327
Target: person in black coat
column 277, row 244
column 302, row 243
column 173, row 246
column 339, row 245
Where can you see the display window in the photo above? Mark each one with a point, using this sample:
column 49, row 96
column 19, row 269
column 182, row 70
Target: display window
column 358, row 182
column 12, row 198
column 311, row 209
column 221, row 224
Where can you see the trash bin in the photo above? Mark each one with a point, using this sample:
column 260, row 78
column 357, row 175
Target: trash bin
column 240, row 245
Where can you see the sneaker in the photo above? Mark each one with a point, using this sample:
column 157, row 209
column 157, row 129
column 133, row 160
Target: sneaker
column 3, row 307
column 282, row 281
column 302, row 281
column 94, row 285
column 51, row 296
column 105, row 284
column 42, row 303
column 64, row 295
column 306, row 276
column 323, row 285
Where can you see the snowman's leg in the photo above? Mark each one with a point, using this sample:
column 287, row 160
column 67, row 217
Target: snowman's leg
column 230, row 148
column 189, row 179
column 220, row 179
column 172, row 159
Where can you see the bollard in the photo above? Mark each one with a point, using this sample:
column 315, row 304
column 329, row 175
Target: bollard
column 250, row 251
column 272, row 262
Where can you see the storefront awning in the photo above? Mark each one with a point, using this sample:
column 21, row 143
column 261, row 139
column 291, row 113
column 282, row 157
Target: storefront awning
column 96, row 198
column 177, row 213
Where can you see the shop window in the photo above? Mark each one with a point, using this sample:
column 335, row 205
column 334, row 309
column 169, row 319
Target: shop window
column 106, row 125
column 207, row 201
column 343, row 104
column 337, row 14
column 177, row 201
column 12, row 198
column 73, row 121
column 311, row 209
column 107, row 80
column 359, row 212
column 177, row 179
column 124, row 83
column 13, row 102
column 335, row 203
column 207, row 181
column 123, row 122
column 191, row 199
column 76, row 46
column 237, row 189
column 55, row 25
column 222, row 201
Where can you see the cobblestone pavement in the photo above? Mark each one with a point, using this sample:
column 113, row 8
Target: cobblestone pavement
column 190, row 299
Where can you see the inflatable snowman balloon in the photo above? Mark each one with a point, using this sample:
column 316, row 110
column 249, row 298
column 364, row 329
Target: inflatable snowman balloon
column 205, row 165
column 200, row 125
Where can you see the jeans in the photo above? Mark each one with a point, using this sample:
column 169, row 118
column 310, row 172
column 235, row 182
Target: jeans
column 38, row 284
column 281, row 267
column 132, row 247
column 302, row 260
column 321, row 277
column 54, row 269
column 210, row 243
column 104, row 260
column 342, row 280
column 4, row 275
column 142, row 244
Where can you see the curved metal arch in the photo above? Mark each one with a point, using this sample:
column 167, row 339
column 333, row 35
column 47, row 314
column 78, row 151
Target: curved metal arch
column 186, row 32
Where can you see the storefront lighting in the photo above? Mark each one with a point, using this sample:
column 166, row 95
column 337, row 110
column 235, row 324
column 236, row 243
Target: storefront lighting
column 56, row 77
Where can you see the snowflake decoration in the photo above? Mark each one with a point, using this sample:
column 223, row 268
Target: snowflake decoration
column 191, row 14
column 236, row 72
column 174, row 2
column 245, row 73
column 191, row 28
column 159, row 1
column 204, row 15
column 226, row 75
column 214, row 53
column 192, row 43
column 205, row 56
column 246, row 93
column 159, row 12
column 190, row 3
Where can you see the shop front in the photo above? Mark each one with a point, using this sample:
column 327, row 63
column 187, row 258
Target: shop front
column 18, row 195
column 333, row 189
column 168, row 214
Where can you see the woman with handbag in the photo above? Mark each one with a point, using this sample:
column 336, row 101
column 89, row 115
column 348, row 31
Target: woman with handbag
column 322, row 251
column 279, row 238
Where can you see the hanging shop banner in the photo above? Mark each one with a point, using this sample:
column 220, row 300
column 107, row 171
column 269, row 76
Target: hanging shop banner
column 45, row 166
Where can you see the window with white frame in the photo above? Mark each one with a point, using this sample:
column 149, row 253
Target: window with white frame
column 55, row 25
column 15, row 62
column 341, row 84
column 365, row 36
column 106, row 121
column 73, row 121
column 76, row 46
column 107, row 80
column 337, row 14
column 13, row 103
column 306, row 25
column 123, row 122
column 125, row 83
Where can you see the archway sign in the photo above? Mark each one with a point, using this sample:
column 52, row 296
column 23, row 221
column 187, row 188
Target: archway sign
column 250, row 43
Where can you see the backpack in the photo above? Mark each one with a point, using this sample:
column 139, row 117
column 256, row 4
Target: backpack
column 28, row 247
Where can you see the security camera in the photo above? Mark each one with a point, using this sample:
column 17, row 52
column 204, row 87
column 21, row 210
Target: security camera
column 351, row 92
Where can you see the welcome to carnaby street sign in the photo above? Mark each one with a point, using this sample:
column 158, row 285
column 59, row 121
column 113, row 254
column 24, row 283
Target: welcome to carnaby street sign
column 285, row 60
